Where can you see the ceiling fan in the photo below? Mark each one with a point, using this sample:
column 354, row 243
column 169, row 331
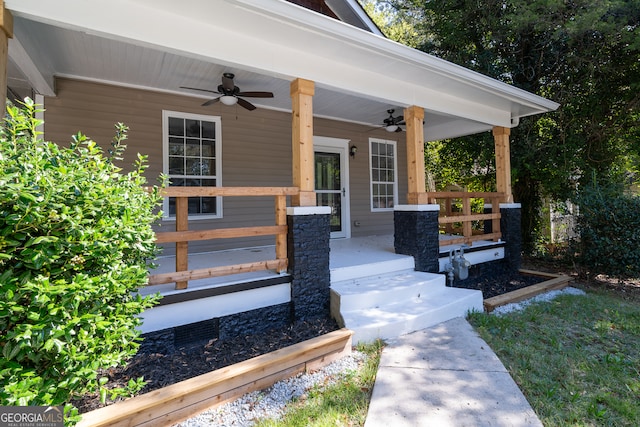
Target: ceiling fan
column 392, row 124
column 230, row 94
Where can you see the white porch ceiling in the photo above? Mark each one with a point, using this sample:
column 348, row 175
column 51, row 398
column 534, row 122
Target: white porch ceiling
column 162, row 45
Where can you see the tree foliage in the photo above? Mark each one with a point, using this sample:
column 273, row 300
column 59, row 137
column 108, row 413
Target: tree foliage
column 582, row 54
column 75, row 238
column 609, row 228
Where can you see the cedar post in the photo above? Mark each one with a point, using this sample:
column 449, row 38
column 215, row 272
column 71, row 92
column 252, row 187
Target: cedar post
column 414, row 119
column 503, row 162
column 6, row 32
column 302, row 92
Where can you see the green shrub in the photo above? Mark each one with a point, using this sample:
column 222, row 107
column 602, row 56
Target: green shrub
column 75, row 238
column 609, row 229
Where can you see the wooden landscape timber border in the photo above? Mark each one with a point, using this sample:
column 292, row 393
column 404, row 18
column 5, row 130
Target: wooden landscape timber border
column 180, row 401
column 555, row 281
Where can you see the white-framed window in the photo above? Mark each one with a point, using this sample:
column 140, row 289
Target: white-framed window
column 384, row 174
column 192, row 157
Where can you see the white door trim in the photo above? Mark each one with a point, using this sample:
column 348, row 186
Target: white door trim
column 341, row 146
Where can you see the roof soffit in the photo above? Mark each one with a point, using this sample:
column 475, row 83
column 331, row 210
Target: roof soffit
column 285, row 41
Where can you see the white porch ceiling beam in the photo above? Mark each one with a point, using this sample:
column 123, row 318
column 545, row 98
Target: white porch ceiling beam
column 40, row 84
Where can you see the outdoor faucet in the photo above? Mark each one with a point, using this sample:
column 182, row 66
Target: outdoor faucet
column 460, row 264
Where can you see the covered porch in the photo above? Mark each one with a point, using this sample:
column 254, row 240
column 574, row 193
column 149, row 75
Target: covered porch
column 363, row 269
column 329, row 79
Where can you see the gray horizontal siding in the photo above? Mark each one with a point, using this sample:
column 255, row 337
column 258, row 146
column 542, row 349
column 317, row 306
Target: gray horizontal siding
column 256, row 150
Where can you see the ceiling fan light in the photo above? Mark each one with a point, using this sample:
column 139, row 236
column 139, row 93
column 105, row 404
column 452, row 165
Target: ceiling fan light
column 228, row 100
column 391, row 128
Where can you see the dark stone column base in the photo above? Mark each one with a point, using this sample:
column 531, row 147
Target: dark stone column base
column 308, row 253
column 416, row 234
column 511, row 228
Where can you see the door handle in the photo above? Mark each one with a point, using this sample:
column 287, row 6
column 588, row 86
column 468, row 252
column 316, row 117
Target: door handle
column 344, row 192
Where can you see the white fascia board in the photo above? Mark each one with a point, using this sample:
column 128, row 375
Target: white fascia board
column 40, row 84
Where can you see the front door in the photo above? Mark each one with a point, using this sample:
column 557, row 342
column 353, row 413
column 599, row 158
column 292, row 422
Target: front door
column 331, row 178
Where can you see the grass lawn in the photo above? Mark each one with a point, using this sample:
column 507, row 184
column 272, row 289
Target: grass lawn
column 344, row 403
column 576, row 358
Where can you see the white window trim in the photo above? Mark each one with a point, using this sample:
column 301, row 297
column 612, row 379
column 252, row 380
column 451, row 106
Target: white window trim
column 395, row 173
column 166, row 114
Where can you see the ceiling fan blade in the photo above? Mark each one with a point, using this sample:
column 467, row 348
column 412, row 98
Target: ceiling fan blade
column 211, row 101
column 256, row 94
column 399, row 119
column 246, row 104
column 227, row 82
column 202, row 90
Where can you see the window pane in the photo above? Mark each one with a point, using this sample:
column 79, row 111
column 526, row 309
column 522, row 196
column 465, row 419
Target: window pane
column 209, row 130
column 177, row 182
column 176, row 166
column 193, row 128
column 192, row 148
column 208, row 205
column 195, row 166
column 176, row 126
column 194, row 205
column 208, row 148
column 389, row 190
column 176, row 147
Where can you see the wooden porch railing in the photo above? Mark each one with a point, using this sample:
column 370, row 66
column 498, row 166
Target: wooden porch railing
column 182, row 235
column 448, row 217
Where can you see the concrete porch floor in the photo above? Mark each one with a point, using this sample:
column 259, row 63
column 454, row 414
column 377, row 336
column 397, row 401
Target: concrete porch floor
column 347, row 255
column 344, row 253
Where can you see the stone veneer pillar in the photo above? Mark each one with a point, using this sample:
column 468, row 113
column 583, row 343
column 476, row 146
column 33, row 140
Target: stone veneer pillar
column 511, row 228
column 416, row 234
column 308, row 254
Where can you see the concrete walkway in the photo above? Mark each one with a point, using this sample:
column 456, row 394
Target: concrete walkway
column 443, row 376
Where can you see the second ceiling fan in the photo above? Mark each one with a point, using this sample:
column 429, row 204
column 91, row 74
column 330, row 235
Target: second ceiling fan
column 230, row 94
column 392, row 124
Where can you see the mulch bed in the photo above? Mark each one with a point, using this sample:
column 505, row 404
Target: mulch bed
column 163, row 365
column 161, row 369
column 493, row 285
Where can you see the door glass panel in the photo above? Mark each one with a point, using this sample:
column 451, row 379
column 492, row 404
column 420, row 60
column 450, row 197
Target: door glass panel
column 328, row 171
column 329, row 186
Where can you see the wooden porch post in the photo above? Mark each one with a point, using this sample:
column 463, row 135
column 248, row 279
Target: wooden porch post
column 503, row 162
column 302, row 92
column 414, row 119
column 6, row 32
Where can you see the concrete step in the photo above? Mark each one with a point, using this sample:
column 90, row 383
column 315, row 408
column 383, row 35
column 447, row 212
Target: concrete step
column 350, row 272
column 384, row 288
column 391, row 320
column 388, row 298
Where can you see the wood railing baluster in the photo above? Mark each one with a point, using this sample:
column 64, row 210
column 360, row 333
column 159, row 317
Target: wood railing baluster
column 182, row 235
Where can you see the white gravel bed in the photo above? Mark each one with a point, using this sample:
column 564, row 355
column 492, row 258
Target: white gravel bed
column 547, row 296
column 271, row 402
